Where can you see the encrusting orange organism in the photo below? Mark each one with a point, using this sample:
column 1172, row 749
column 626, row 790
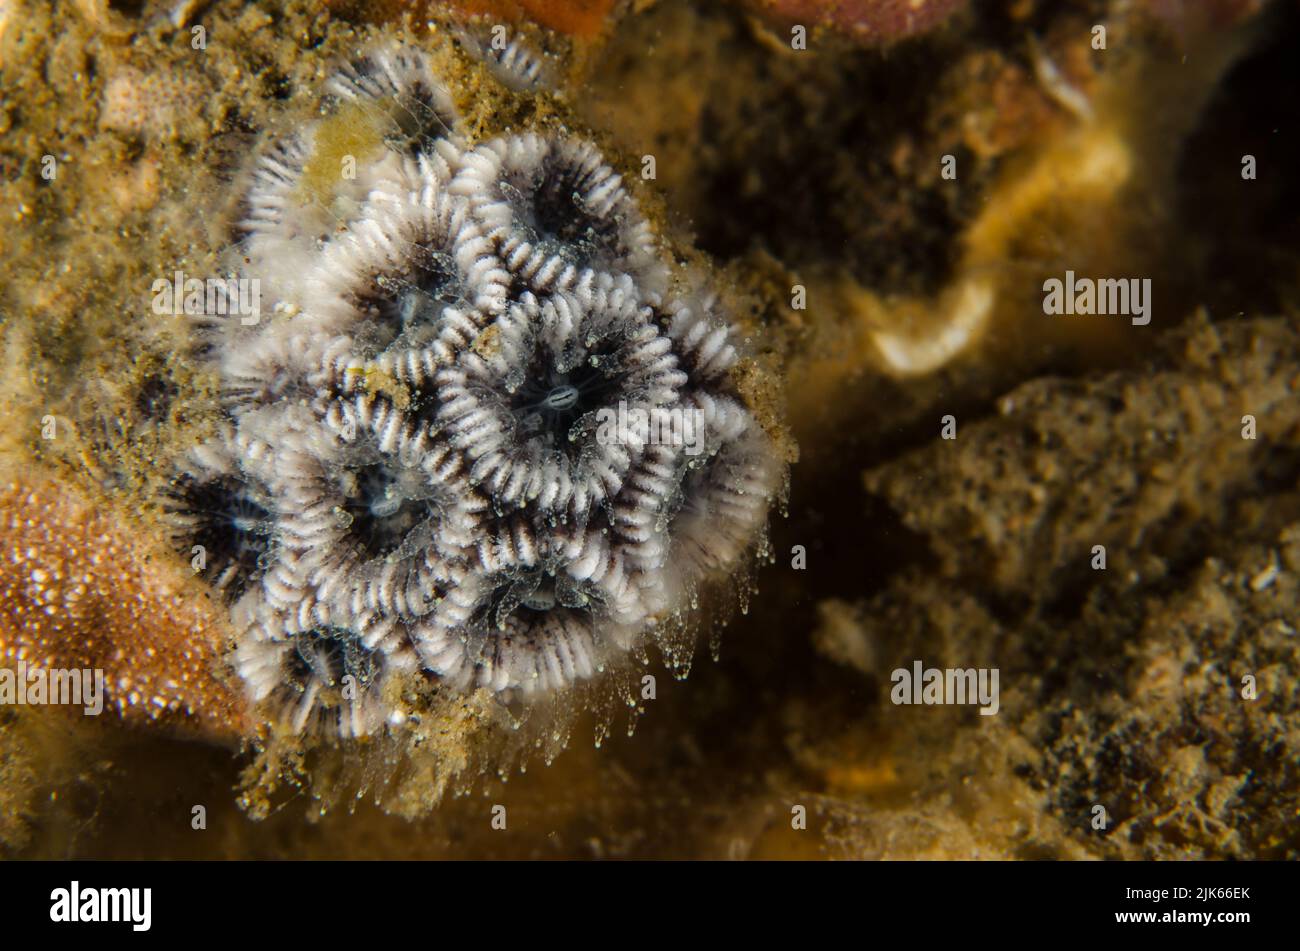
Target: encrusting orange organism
column 76, row 593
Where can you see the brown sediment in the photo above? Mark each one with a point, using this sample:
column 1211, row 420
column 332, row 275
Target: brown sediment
column 1146, row 457
column 1133, row 700
column 1122, row 678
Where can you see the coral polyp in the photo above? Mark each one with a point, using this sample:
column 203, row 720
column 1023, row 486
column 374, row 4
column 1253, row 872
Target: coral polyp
column 414, row 263
column 557, row 211
column 496, row 436
column 398, row 82
column 324, row 681
column 523, row 416
column 220, row 519
column 527, row 628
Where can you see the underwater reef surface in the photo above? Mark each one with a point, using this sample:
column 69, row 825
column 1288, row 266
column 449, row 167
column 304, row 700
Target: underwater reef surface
column 842, row 245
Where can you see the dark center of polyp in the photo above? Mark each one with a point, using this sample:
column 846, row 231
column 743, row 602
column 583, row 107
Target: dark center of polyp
column 416, row 121
column 381, row 515
column 550, row 401
column 328, row 654
column 415, row 298
column 557, row 216
column 233, row 525
column 529, row 595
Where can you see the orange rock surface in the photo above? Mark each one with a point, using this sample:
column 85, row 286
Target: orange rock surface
column 76, row 594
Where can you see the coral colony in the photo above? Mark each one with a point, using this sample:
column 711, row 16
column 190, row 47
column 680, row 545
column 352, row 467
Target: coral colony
column 446, row 449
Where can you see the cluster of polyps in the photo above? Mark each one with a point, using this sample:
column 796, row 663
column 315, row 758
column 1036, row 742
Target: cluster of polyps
column 411, row 477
